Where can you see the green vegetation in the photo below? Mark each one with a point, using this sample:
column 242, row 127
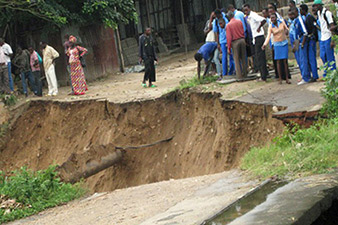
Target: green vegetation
column 9, row 100
column 195, row 82
column 297, row 152
column 34, row 192
column 3, row 130
column 64, row 12
column 302, row 151
column 330, row 93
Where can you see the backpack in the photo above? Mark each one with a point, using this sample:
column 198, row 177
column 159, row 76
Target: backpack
column 315, row 32
column 327, row 21
column 39, row 57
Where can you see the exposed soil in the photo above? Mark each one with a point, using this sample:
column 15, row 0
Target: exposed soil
column 210, row 136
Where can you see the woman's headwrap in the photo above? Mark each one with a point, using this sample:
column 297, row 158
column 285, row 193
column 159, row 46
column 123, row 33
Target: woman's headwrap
column 72, row 39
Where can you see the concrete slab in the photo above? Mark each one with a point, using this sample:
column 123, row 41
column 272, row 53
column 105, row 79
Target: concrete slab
column 204, row 203
column 297, row 203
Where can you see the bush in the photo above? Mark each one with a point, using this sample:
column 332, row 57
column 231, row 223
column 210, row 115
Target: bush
column 297, row 152
column 330, row 93
column 36, row 191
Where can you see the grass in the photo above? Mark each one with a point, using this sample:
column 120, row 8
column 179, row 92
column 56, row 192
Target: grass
column 36, row 191
column 8, row 100
column 3, row 130
column 195, row 82
column 297, row 152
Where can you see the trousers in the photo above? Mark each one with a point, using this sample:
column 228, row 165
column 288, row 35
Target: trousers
column 4, row 80
column 51, row 80
column 327, row 55
column 260, row 57
column 239, row 51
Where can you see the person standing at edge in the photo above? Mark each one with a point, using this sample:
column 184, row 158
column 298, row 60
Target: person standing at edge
column 148, row 56
column 66, row 46
column 79, row 85
column 35, row 67
column 326, row 43
column 238, row 15
column 4, row 80
column 22, row 61
column 308, row 47
column 211, row 37
column 236, row 42
column 256, row 23
column 221, row 41
column 279, row 29
column 293, row 23
column 7, row 50
column 49, row 57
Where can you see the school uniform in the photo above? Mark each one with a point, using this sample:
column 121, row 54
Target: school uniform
column 311, row 45
column 293, row 38
column 223, row 42
column 326, row 52
column 301, row 31
column 284, row 70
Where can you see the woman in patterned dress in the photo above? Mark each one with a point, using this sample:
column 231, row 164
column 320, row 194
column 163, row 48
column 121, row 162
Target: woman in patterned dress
column 76, row 71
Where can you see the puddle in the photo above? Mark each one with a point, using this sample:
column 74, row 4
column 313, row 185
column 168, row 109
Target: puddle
column 244, row 205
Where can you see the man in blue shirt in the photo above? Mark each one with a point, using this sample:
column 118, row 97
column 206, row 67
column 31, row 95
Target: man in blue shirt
column 222, row 40
column 239, row 15
column 206, row 52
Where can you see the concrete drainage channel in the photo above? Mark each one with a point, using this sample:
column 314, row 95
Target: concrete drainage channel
column 307, row 201
column 245, row 204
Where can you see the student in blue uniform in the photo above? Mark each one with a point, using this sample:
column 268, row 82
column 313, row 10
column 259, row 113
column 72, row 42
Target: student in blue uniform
column 309, row 43
column 326, row 43
column 301, row 32
column 292, row 34
column 206, row 52
column 222, row 40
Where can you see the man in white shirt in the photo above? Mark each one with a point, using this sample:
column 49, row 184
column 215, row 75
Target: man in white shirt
column 4, row 84
column 326, row 44
column 256, row 23
column 7, row 50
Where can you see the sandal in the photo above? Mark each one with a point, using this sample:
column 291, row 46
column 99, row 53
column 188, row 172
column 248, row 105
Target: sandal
column 144, row 85
column 153, row 86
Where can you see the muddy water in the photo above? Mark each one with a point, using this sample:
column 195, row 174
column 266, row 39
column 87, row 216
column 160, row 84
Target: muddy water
column 210, row 135
column 245, row 204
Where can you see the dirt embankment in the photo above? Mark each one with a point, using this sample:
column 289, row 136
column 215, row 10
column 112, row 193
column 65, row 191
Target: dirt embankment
column 210, row 136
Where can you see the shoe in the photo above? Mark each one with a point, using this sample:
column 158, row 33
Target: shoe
column 54, row 94
column 220, row 78
column 144, row 85
column 302, row 82
column 320, row 79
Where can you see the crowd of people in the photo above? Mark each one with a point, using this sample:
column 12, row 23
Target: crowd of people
column 238, row 34
column 31, row 66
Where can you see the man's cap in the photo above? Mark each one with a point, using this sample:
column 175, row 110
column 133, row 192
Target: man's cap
column 318, row 2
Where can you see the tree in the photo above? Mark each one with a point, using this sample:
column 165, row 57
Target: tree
column 63, row 12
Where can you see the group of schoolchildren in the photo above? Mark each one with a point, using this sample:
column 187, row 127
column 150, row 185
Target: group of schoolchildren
column 226, row 33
